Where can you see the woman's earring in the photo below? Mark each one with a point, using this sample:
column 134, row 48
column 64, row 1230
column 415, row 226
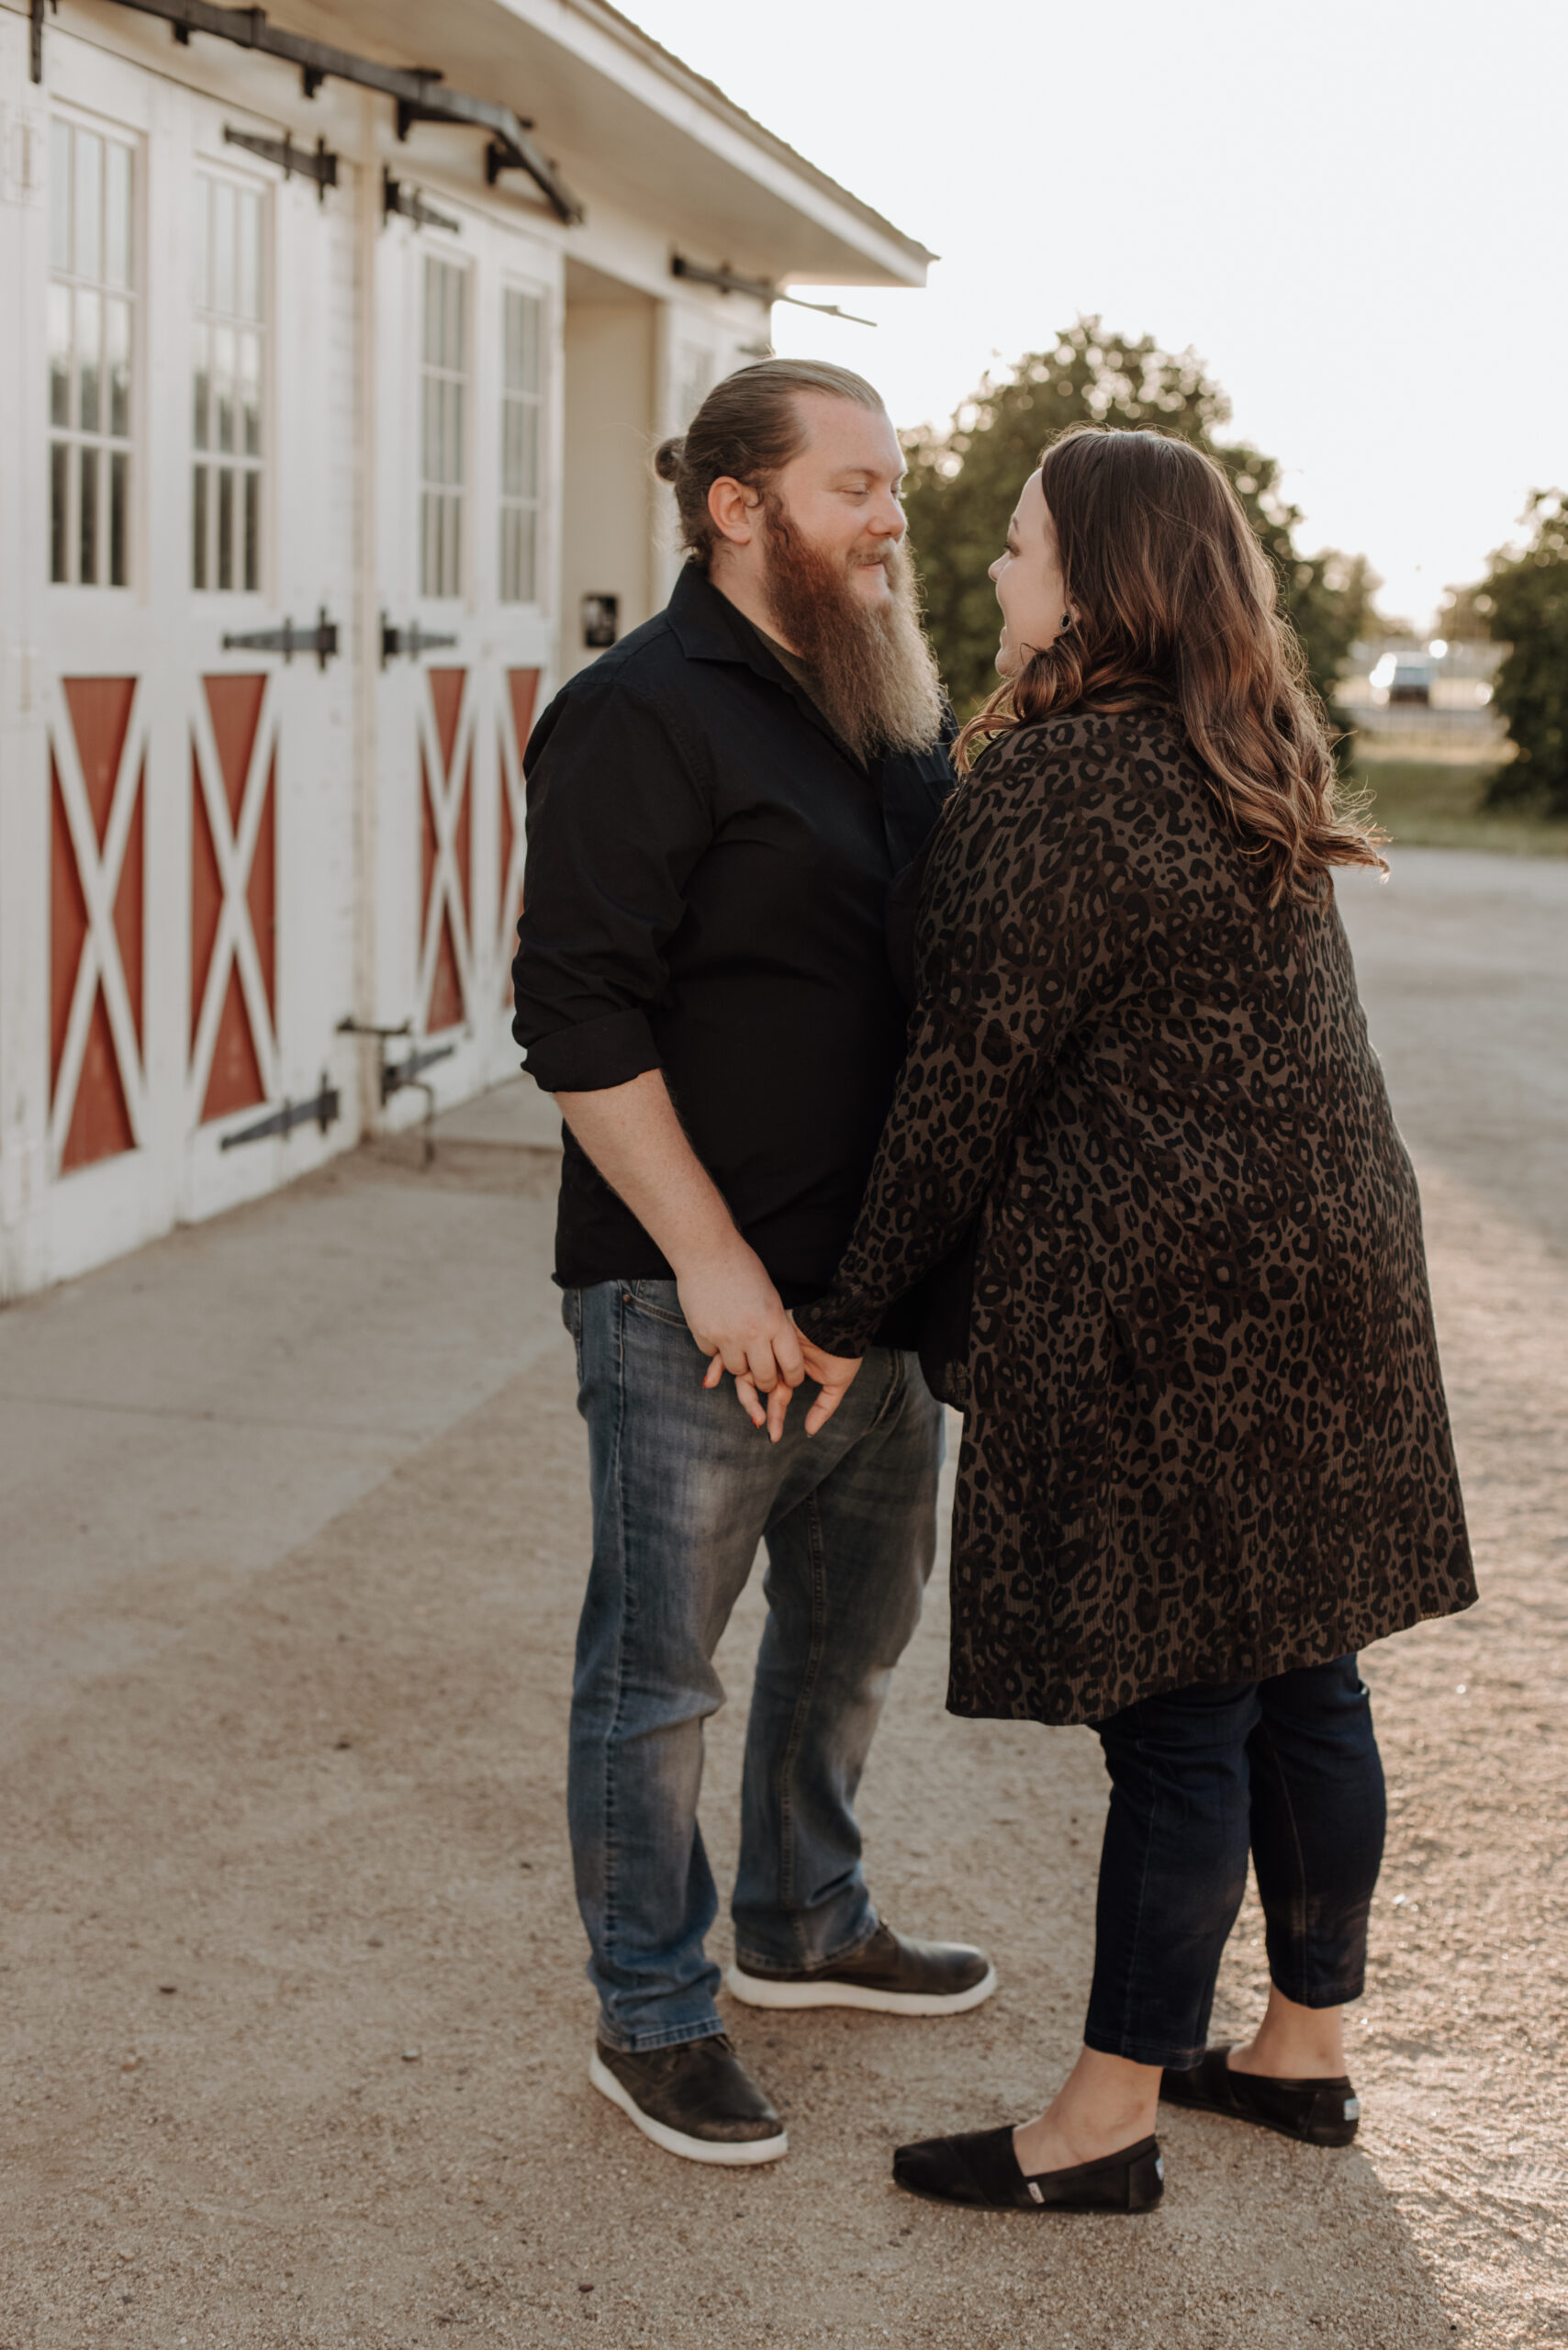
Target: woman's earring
column 1066, row 623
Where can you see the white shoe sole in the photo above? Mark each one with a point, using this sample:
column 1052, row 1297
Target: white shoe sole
column 734, row 2154
column 756, row 1991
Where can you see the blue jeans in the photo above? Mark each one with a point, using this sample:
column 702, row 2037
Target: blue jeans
column 684, row 1490
column 1288, row 1767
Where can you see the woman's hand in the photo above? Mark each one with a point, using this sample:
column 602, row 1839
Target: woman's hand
column 834, row 1374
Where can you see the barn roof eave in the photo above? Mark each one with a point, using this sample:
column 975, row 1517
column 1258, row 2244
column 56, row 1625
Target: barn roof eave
column 914, row 257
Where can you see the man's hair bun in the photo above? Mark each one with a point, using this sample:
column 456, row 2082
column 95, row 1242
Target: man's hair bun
column 747, row 430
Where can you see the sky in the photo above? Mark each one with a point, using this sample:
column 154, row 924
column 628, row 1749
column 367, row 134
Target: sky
column 1355, row 210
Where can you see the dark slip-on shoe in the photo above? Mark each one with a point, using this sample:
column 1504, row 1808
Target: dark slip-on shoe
column 695, row 2099
column 1320, row 2112
column 980, row 2170
column 892, row 1973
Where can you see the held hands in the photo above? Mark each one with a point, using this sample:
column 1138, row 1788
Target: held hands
column 738, row 1319
column 832, row 1374
column 740, row 1322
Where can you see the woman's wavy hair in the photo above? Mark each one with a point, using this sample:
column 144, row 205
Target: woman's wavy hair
column 1175, row 602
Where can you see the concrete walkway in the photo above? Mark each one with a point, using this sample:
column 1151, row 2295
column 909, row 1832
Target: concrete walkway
column 294, row 2023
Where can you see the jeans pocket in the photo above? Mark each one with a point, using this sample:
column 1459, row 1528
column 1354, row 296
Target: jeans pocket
column 572, row 1316
column 658, row 1300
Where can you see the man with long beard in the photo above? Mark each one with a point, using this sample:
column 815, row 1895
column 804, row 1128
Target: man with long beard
column 716, row 810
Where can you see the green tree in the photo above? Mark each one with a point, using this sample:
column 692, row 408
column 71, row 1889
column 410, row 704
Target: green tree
column 1527, row 594
column 1465, row 614
column 963, row 482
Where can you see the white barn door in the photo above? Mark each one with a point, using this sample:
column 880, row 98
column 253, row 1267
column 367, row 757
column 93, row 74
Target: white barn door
column 268, row 681
column 182, row 866
column 468, row 520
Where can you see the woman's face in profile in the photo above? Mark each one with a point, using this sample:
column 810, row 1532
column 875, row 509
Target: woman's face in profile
column 1028, row 580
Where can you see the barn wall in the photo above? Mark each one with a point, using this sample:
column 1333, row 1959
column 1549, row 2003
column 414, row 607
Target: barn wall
column 212, row 858
column 611, row 422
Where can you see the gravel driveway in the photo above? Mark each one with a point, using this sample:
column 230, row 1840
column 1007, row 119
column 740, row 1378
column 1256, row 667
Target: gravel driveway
column 295, row 2023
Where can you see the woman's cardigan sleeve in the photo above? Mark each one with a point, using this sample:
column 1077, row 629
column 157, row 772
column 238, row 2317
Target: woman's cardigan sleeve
column 1018, row 938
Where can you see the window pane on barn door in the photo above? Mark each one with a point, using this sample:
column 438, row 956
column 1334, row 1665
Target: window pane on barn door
column 227, row 375
column 91, row 337
column 117, row 213
column 60, row 195
column 89, row 321
column 696, row 380
column 87, row 222
column 522, row 331
column 443, row 397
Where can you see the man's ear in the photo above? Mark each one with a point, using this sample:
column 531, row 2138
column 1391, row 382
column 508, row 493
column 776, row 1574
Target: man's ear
column 733, row 509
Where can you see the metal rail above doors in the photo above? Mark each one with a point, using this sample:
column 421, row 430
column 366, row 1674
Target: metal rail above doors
column 419, row 90
column 761, row 289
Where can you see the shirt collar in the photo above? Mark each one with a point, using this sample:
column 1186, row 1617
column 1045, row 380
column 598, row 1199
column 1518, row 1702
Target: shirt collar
column 708, row 627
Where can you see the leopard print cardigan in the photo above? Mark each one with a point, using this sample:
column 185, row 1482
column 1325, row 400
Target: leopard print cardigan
column 1205, row 1438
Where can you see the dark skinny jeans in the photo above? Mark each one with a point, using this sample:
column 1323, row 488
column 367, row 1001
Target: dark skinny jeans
column 1287, row 1768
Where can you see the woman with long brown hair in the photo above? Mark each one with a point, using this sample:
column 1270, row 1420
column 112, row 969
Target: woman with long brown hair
column 1142, row 1156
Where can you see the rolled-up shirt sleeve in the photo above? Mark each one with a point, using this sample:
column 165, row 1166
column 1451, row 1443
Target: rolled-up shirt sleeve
column 619, row 812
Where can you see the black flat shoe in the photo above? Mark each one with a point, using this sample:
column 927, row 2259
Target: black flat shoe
column 1320, row 2113
column 980, row 2168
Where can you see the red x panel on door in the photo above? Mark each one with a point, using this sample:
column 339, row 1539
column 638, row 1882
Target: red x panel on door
column 523, row 692
column 233, row 897
column 446, row 770
column 97, row 878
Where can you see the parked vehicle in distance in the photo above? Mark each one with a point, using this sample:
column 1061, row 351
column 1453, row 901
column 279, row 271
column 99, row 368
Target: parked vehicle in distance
column 1404, row 676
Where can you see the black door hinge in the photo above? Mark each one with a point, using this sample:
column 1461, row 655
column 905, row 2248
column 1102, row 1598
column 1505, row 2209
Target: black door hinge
column 410, row 204
column 396, row 1075
column 396, row 642
column 323, row 1111
column 321, row 640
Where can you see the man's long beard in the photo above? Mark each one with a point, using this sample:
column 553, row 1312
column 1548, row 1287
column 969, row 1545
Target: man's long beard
column 871, row 669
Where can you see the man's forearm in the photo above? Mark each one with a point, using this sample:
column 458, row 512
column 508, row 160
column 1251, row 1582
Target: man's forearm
column 639, row 1146
column 633, row 1138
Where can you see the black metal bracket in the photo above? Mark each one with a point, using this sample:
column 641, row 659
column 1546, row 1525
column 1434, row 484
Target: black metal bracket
column 410, row 204
column 498, row 158
column 396, row 642
column 35, row 55
column 324, row 1111
column 321, row 640
column 394, row 1076
column 321, row 166
column 418, row 90
column 761, row 289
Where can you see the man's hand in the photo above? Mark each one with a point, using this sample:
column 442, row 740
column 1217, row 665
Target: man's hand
column 834, row 1374
column 733, row 1312
column 736, row 1316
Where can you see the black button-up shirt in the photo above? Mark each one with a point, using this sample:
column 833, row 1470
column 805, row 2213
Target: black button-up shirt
column 707, row 872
